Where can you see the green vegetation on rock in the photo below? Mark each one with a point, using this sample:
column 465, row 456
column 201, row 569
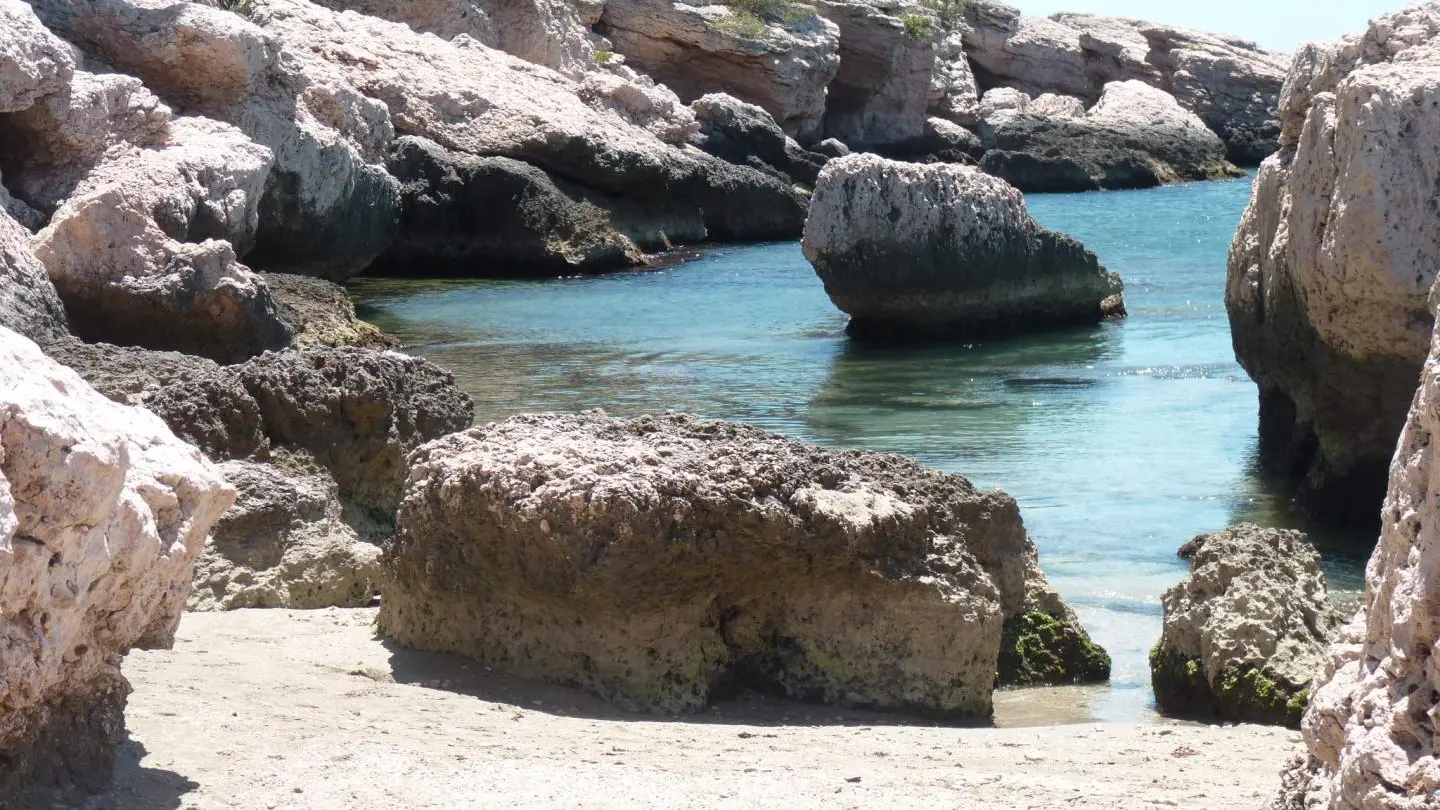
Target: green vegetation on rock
column 1243, row 694
column 749, row 18
column 1037, row 648
column 917, row 26
column 949, row 13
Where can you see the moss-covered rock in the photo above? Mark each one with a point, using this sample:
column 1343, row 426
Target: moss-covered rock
column 1038, row 648
column 1242, row 694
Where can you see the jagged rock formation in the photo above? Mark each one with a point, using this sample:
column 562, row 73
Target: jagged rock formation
column 29, row 304
column 1134, row 137
column 746, row 134
column 102, row 514
column 881, row 92
column 1370, row 738
column 1246, row 631
column 320, row 313
column 945, row 251
column 1232, row 85
column 658, row 560
column 1330, row 268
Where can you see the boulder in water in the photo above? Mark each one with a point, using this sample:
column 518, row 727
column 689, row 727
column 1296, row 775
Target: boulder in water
column 945, row 251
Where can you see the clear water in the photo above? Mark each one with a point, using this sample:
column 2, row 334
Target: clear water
column 1120, row 441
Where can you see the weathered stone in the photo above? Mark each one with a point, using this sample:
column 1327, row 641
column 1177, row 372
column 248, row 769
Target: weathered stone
column 28, row 301
column 945, row 251
column 1370, row 739
column 1333, row 259
column 880, row 94
column 942, row 141
column 33, row 62
column 1246, row 631
column 742, row 133
column 1134, row 137
column 953, row 93
column 654, row 108
column 699, row 49
column 658, row 560
column 832, row 148
column 320, row 313
column 102, row 513
column 125, row 373
column 1050, row 105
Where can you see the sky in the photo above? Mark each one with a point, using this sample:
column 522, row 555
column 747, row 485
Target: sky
column 1278, row 25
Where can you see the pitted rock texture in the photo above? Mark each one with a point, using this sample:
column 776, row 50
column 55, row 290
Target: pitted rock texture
column 659, row 560
column 1134, row 137
column 29, row 303
column 696, row 49
column 1246, row 631
column 881, row 92
column 1231, row 84
column 745, row 134
column 102, row 514
column 124, row 373
column 926, row 251
column 33, row 61
column 1370, row 739
column 1334, row 257
column 320, row 313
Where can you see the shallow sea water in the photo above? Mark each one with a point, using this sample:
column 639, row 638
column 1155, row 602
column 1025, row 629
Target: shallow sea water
column 1120, row 441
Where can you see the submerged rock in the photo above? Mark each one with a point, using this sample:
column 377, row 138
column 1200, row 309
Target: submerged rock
column 1370, row 737
column 1134, row 137
column 659, row 561
column 102, row 514
column 1334, row 258
column 945, row 251
column 1246, row 631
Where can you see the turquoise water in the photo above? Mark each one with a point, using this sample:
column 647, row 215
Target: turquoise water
column 1120, row 441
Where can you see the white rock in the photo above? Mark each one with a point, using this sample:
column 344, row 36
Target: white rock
column 33, row 61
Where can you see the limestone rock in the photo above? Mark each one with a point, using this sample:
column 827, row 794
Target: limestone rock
column 655, row 560
column 954, row 95
column 126, row 373
column 832, row 148
column 942, row 141
column 28, row 301
column 1334, row 257
column 1246, row 631
column 33, row 62
column 102, row 513
column 698, row 49
column 284, row 544
column 446, row 19
column 1370, row 739
column 881, row 92
column 1000, row 100
column 328, row 207
column 115, row 254
column 654, row 108
column 1050, row 105
column 944, row 250
column 321, row 314
column 1134, row 137
column 745, row 134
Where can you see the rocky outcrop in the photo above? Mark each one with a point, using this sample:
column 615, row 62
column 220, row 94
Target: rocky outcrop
column 1370, row 739
column 659, row 560
column 1232, row 85
column 745, row 134
column 954, row 95
column 1334, row 257
column 29, row 304
column 880, row 94
column 945, row 251
column 941, row 141
column 1134, row 137
column 102, row 513
column 1246, row 631
column 783, row 65
column 320, row 313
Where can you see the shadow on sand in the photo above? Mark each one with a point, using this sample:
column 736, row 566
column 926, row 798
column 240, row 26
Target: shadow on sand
column 137, row 787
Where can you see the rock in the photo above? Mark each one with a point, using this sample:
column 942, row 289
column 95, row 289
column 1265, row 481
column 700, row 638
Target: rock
column 941, row 142
column 1369, row 741
column 832, row 148
column 945, row 251
column 1246, row 631
column 784, row 67
column 953, row 93
column 446, row 19
column 284, row 544
column 125, row 373
column 880, row 94
column 553, row 33
column 102, row 513
column 654, row 108
column 328, row 207
column 1002, row 99
column 113, row 249
column 1334, row 257
column 1050, row 105
column 1134, row 137
column 741, row 133
column 29, row 304
column 1231, row 84
column 33, row 62
column 320, row 313
column 620, row 556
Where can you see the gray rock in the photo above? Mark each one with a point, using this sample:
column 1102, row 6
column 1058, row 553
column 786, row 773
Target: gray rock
column 941, row 142
column 1245, row 633
column 29, row 303
column 744, row 133
column 321, row 314
column 832, row 148
column 945, row 251
column 626, row 557
column 881, row 92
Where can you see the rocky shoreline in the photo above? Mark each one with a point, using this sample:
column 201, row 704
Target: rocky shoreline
column 192, row 416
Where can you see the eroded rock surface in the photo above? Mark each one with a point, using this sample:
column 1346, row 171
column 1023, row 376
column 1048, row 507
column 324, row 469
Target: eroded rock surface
column 1334, row 257
column 1370, row 739
column 1246, row 631
column 659, row 560
column 940, row 250
column 102, row 514
column 29, row 303
column 881, row 92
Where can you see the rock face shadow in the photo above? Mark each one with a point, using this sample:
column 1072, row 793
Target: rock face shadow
column 461, row 675
column 137, row 787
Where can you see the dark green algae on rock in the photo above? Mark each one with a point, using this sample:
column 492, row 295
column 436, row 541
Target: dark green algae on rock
column 1242, row 694
column 1037, row 648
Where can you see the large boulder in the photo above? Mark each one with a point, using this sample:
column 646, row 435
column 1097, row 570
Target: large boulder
column 33, row 62
column 102, row 514
column 1246, row 631
column 1231, row 84
column 1134, row 137
column 1370, row 738
column 940, row 250
column 745, row 134
column 783, row 65
column 1334, row 257
column 658, row 560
